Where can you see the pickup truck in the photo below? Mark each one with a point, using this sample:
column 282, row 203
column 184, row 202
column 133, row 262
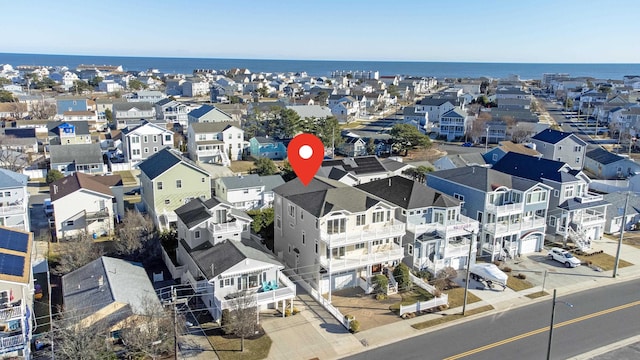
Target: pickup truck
column 489, row 273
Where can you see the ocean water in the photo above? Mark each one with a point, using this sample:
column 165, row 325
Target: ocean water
column 324, row 68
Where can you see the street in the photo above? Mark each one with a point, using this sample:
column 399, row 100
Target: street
column 598, row 317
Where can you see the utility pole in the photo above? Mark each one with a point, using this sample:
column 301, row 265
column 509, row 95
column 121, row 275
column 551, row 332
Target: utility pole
column 174, row 299
column 466, row 282
column 623, row 223
column 553, row 312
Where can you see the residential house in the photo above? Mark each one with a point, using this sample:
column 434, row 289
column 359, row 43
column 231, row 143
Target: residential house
column 247, row 192
column 66, row 103
column 353, row 146
column 109, row 86
column 17, row 290
column 574, row 213
column 174, row 86
column 109, row 292
column 509, row 92
column 434, row 108
column 438, row 235
column 359, row 170
column 460, row 160
column 20, row 139
column 494, row 155
column 172, row 111
column 418, row 119
column 216, row 257
column 561, row 146
column 14, row 200
column 104, row 104
column 335, row 236
column 149, row 96
column 260, row 146
column 511, row 210
column 607, row 165
column 207, row 114
column 91, row 117
column 67, row 133
column 215, row 142
column 453, row 124
column 307, row 112
column 168, row 181
column 86, row 158
column 84, row 204
column 142, row 141
column 616, row 212
column 13, row 110
column 195, row 87
column 132, row 113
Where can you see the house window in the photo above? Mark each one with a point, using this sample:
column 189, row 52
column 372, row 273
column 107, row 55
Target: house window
column 316, row 243
column 556, row 193
column 135, row 140
column 303, row 238
column 360, row 246
column 167, row 201
column 301, row 215
column 292, row 211
column 377, row 216
column 69, row 223
column 155, row 149
column 230, row 136
column 202, row 179
column 136, row 152
column 289, row 248
column 495, row 157
column 552, row 221
column 278, row 225
column 410, row 249
column 577, row 148
column 360, row 219
column 167, row 138
column 239, row 136
column 336, row 226
column 159, row 185
column 179, row 184
column 568, row 191
column 146, row 150
column 197, row 234
column 458, row 196
column 145, row 139
column 538, row 195
column 245, row 191
column 578, row 160
column 155, row 138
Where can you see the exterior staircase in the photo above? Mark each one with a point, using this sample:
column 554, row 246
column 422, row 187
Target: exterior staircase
column 579, row 238
column 392, row 287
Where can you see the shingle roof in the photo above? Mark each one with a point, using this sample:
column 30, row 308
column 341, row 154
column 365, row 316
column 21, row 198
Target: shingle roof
column 81, row 127
column 533, row 168
column 455, row 113
column 271, row 181
column 551, row 136
column 160, row 162
column 140, row 105
column 215, row 260
column 603, row 156
column 72, row 183
column 205, row 109
column 80, row 153
column 483, row 179
column 407, row 194
column 9, row 179
column 311, row 111
column 193, row 213
column 508, row 146
column 105, row 281
column 20, row 133
column 430, row 101
column 212, row 127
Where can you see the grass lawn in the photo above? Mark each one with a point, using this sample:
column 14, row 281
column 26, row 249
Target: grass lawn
column 456, row 297
column 416, row 294
column 537, row 294
column 516, row 284
column 241, row 166
column 603, row 261
column 228, row 348
column 632, row 239
column 447, row 318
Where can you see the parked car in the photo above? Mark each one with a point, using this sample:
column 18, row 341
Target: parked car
column 564, row 257
column 48, row 207
column 467, row 144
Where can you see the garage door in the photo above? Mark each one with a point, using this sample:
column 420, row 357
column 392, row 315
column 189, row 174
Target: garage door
column 529, row 244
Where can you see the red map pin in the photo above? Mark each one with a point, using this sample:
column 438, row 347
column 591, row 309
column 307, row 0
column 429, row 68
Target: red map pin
column 305, row 153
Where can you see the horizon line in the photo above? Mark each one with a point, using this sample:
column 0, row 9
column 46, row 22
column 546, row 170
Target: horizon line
column 329, row 60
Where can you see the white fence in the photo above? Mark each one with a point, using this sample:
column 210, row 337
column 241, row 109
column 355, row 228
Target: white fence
column 35, row 173
column 121, row 166
column 320, row 299
column 424, row 305
column 176, row 271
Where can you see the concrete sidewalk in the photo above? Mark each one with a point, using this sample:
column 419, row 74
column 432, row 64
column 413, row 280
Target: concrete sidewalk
column 314, row 333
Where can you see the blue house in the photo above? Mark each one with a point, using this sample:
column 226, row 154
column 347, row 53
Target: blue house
column 260, row 146
column 72, row 104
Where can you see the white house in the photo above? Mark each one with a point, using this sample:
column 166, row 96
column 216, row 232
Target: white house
column 215, row 142
column 247, row 191
column 14, row 200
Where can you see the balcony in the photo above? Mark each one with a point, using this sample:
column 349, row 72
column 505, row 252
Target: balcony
column 11, row 343
column 457, row 249
column 590, row 218
column 589, row 197
column 12, row 210
column 507, row 209
column 12, row 312
column 357, row 259
column 507, row 227
column 464, row 226
column 366, row 234
column 95, row 215
column 224, row 229
column 285, row 291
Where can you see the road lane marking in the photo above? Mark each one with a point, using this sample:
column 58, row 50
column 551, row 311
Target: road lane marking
column 541, row 330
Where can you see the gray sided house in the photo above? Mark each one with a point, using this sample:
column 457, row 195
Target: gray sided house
column 561, row 146
column 208, row 113
column 574, row 213
column 140, row 142
column 504, row 147
column 132, row 113
column 616, row 212
column 511, row 211
column 68, row 133
column 438, row 235
column 607, row 165
column 85, row 158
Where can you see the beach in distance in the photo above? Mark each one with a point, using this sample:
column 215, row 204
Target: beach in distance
column 171, row 65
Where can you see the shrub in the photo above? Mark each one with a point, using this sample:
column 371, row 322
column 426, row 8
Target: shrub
column 295, row 310
column 402, row 275
column 506, row 269
column 521, row 276
column 445, row 277
column 381, row 296
column 443, row 307
column 380, row 283
column 349, row 317
column 225, row 321
column 424, row 275
column 354, row 326
column 437, row 293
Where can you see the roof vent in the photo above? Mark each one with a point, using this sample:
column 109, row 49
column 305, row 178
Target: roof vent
column 100, row 281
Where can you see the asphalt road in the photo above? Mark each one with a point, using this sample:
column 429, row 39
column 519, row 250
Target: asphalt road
column 598, row 317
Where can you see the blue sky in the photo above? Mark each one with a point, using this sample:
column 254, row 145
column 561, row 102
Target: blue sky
column 570, row 31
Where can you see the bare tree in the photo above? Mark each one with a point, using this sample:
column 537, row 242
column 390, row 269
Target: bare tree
column 12, row 154
column 76, row 253
column 135, row 232
column 73, row 341
column 42, row 110
column 149, row 333
column 479, row 126
column 243, row 316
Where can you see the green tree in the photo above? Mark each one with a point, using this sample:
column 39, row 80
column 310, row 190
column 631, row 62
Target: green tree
column 406, row 136
column 371, row 146
column 402, row 276
column 328, row 131
column 6, row 96
column 80, row 86
column 95, row 81
column 289, row 123
column 265, row 166
column 243, row 317
column 263, row 91
column 287, row 171
column 380, row 284
column 5, row 81
column 393, row 91
column 109, row 115
column 321, row 97
column 136, row 84
column 53, row 175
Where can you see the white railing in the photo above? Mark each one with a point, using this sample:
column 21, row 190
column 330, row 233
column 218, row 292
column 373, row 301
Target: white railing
column 591, row 216
column 272, row 296
column 224, row 228
column 464, row 226
column 425, row 305
column 209, row 153
column 505, row 226
column 13, row 209
column 505, row 209
column 11, row 313
column 459, row 249
column 422, row 284
column 352, row 262
column 589, row 197
column 197, row 285
column 286, row 281
column 11, row 343
column 392, row 287
column 360, row 235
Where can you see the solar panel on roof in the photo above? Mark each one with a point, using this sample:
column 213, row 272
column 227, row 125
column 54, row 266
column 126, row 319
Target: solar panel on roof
column 11, row 264
column 12, row 240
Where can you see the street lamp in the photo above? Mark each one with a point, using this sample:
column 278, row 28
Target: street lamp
column 553, row 310
column 466, row 282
